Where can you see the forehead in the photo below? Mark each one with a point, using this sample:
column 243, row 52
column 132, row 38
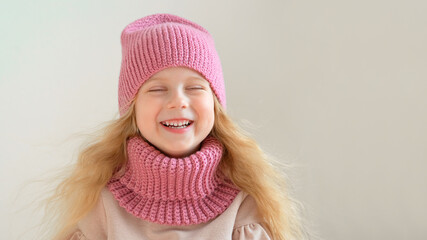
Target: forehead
column 176, row 73
column 165, row 79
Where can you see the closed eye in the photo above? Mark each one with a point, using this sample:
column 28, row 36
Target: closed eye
column 157, row 90
column 196, row 88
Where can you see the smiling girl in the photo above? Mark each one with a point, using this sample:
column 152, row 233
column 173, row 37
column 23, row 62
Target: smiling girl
column 173, row 166
column 175, row 111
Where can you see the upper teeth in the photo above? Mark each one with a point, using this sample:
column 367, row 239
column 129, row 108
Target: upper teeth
column 176, row 124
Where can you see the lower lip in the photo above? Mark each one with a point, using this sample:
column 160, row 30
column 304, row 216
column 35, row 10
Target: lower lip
column 177, row 130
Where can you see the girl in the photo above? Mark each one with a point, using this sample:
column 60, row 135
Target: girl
column 173, row 166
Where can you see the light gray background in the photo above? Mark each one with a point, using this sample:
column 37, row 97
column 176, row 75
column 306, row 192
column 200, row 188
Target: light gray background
column 336, row 87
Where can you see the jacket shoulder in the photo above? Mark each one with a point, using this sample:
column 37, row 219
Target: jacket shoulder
column 94, row 224
column 248, row 212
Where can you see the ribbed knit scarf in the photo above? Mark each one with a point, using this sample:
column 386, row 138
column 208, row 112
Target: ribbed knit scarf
column 173, row 191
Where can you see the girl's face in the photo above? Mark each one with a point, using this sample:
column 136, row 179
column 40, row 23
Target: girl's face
column 175, row 110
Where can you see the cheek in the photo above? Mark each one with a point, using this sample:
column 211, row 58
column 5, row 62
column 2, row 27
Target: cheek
column 145, row 114
column 207, row 111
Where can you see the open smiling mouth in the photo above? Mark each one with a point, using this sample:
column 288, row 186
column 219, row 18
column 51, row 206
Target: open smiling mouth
column 177, row 125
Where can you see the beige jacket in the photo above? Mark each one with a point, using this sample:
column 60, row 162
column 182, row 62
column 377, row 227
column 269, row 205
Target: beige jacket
column 109, row 221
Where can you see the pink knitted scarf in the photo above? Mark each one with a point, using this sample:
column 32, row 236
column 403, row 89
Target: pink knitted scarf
column 173, row 191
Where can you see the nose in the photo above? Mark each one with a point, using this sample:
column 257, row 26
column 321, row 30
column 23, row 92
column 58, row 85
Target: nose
column 177, row 100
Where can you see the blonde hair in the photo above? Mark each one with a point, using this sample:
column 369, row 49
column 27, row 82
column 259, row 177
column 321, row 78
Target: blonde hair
column 243, row 162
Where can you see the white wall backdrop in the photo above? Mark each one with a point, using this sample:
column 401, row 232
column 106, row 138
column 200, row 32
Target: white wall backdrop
column 338, row 88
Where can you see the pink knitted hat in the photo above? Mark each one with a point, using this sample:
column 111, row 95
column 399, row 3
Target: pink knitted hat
column 159, row 41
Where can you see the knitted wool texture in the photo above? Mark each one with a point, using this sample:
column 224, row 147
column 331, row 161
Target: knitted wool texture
column 159, row 41
column 173, row 191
